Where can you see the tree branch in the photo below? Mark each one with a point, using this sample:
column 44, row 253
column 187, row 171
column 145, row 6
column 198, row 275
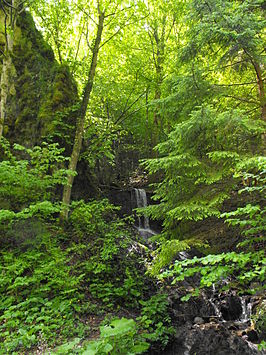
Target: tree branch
column 86, row 13
column 128, row 108
column 78, row 47
column 121, row 28
column 236, row 84
column 241, row 99
column 125, row 8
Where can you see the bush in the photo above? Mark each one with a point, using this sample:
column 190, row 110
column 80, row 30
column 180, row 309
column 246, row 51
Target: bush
column 38, row 296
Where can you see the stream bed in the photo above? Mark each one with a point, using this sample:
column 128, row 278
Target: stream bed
column 216, row 323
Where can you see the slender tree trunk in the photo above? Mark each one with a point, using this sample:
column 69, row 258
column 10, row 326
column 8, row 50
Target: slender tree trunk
column 81, row 120
column 159, row 57
column 261, row 90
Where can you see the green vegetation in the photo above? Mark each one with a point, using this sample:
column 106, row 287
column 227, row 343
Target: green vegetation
column 99, row 97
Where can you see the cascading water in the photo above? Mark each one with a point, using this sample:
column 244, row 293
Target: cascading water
column 141, row 199
column 143, row 222
column 246, row 310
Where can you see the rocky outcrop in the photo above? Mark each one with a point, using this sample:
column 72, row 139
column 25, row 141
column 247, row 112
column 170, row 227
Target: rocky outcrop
column 44, row 95
column 214, row 324
column 210, row 339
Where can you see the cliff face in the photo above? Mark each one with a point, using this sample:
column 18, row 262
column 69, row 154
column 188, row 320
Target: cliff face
column 42, row 101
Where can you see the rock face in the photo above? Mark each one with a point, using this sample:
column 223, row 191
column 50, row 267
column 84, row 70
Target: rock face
column 42, row 102
column 213, row 324
column 210, row 339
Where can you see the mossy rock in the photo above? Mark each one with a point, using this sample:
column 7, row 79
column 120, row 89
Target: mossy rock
column 260, row 319
column 45, row 95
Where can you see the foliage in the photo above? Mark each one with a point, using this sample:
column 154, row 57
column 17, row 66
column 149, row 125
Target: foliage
column 193, row 68
column 245, row 266
column 99, row 138
column 109, row 266
column 166, row 252
column 262, row 345
column 223, row 60
column 87, row 219
column 198, row 161
column 41, row 282
column 44, row 287
column 120, row 337
column 28, row 181
column 39, row 295
column 155, row 319
column 33, row 173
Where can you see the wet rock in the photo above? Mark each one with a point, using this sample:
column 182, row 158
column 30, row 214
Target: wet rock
column 231, row 308
column 200, row 330
column 209, row 339
column 252, row 335
column 198, row 320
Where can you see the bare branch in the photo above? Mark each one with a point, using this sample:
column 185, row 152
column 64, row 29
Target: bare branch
column 129, row 107
column 87, row 37
column 121, row 28
column 132, row 113
column 78, row 47
column 111, row 37
column 114, row 13
column 86, row 13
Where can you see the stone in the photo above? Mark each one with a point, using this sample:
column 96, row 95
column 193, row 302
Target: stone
column 231, row 308
column 252, row 335
column 198, row 320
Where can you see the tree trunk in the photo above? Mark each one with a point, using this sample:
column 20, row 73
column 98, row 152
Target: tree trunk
column 81, row 120
column 261, row 90
column 159, row 57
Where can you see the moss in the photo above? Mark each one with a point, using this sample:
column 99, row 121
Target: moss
column 2, row 40
column 45, row 90
column 56, row 110
column 260, row 319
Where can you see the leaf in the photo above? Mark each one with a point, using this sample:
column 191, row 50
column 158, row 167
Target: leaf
column 118, row 327
column 91, row 348
column 140, row 348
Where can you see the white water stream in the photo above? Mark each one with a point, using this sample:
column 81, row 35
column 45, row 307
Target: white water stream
column 143, row 221
column 246, row 310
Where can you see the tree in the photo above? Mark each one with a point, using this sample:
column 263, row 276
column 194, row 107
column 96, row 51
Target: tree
column 235, row 45
column 219, row 69
column 159, row 27
column 105, row 10
column 157, row 38
column 82, row 112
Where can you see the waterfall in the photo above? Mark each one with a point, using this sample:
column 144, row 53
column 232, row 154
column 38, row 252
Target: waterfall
column 246, row 310
column 211, row 301
column 141, row 199
column 143, row 221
